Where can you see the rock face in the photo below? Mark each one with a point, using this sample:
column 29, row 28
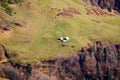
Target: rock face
column 99, row 62
column 2, row 52
column 108, row 4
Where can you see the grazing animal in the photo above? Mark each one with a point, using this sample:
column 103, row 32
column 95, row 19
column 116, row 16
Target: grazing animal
column 64, row 39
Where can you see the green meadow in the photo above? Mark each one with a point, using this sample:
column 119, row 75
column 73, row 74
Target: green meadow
column 38, row 39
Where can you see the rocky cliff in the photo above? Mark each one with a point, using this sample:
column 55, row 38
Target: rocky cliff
column 100, row 61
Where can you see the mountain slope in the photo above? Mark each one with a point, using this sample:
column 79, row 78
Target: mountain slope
column 37, row 40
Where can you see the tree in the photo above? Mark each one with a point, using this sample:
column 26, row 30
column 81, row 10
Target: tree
column 105, row 54
column 116, row 73
column 101, row 3
column 108, row 77
column 118, row 54
column 29, row 68
column 110, row 8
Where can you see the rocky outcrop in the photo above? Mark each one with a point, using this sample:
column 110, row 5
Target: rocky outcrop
column 108, row 4
column 2, row 52
column 98, row 11
column 69, row 12
column 99, row 62
column 4, row 25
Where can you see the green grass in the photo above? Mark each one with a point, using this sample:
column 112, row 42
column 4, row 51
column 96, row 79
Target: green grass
column 38, row 40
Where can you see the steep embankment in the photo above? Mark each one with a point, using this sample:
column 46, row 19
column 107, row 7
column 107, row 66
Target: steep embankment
column 100, row 61
column 37, row 40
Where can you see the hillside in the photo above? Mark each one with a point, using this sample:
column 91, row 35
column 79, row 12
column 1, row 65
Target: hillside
column 37, row 39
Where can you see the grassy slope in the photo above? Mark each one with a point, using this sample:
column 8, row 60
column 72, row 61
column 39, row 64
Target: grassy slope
column 37, row 40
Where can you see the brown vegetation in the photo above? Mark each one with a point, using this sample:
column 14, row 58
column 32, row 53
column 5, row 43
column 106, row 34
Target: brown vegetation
column 69, row 12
